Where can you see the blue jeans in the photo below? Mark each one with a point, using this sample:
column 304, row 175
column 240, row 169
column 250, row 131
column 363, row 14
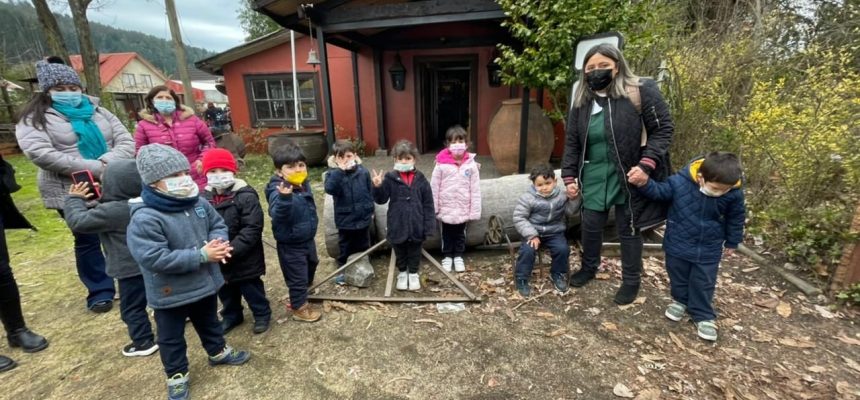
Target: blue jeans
column 90, row 262
column 693, row 286
column 255, row 295
column 132, row 309
column 171, row 332
column 559, row 250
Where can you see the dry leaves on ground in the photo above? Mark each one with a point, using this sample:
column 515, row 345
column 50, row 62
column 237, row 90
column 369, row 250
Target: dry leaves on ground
column 622, row 390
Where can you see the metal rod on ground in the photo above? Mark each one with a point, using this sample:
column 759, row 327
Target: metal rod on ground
column 448, row 274
column 348, row 263
column 393, row 299
column 389, row 284
column 801, row 284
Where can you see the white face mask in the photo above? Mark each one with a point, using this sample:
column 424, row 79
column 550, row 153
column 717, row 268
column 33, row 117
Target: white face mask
column 707, row 192
column 181, row 186
column 220, row 180
column 457, row 149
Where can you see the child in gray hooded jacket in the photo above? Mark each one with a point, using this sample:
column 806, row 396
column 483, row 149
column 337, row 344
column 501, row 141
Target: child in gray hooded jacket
column 109, row 219
column 178, row 239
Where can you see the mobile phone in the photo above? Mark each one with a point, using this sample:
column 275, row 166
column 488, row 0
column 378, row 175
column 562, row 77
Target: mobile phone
column 87, row 176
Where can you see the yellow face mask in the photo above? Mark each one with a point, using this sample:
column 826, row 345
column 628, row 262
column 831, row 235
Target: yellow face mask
column 296, row 178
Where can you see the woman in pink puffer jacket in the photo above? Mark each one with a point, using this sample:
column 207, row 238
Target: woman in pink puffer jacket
column 167, row 121
column 456, row 188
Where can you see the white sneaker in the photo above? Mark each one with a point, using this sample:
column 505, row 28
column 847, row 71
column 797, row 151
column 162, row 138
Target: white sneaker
column 414, row 282
column 402, row 281
column 446, row 264
column 459, row 265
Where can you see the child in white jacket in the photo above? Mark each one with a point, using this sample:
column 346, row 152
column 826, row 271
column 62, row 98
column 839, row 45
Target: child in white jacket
column 456, row 186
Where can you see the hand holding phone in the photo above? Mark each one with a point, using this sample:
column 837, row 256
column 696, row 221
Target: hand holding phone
column 86, row 176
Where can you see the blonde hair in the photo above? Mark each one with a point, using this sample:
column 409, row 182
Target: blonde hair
column 617, row 89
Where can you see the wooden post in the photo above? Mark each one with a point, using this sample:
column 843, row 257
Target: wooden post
column 179, row 49
column 848, row 271
column 326, row 87
column 524, row 130
column 7, row 102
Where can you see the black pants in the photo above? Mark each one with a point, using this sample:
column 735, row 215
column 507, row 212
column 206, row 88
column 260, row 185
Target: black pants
column 631, row 243
column 453, row 239
column 299, row 265
column 90, row 262
column 352, row 241
column 132, row 309
column 10, row 298
column 408, row 256
column 171, row 332
column 255, row 295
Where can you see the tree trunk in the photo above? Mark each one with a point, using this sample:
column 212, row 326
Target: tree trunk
column 848, row 271
column 51, row 30
column 179, row 49
column 89, row 54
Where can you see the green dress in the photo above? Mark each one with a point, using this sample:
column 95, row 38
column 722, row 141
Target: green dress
column 601, row 186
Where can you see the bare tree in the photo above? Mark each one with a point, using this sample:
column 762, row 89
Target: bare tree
column 51, row 30
column 89, row 54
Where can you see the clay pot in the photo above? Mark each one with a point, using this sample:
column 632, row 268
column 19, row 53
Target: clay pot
column 504, row 137
column 312, row 142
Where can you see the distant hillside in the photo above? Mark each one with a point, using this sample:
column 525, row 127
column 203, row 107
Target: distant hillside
column 21, row 39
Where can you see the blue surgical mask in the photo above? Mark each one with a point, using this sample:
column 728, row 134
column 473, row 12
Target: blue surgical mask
column 164, row 106
column 67, row 98
column 403, row 167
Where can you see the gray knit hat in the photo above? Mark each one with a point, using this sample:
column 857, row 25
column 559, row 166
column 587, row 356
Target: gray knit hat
column 157, row 161
column 52, row 74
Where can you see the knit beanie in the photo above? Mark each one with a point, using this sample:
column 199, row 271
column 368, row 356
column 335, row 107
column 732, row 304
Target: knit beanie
column 157, row 161
column 52, row 74
column 218, row 158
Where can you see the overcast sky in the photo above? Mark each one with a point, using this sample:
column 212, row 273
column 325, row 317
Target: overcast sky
column 210, row 24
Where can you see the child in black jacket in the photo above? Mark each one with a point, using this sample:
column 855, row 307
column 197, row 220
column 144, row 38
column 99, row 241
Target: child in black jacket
column 411, row 216
column 239, row 205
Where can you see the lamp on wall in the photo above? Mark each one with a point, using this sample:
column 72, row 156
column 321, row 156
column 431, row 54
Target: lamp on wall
column 494, row 71
column 313, row 60
column 398, row 74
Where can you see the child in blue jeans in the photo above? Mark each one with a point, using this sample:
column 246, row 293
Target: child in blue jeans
column 706, row 220
column 539, row 219
column 178, row 239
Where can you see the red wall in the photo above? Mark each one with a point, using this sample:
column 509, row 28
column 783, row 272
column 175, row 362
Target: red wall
column 400, row 106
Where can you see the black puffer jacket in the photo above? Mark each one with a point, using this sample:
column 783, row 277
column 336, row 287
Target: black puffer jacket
column 241, row 210
column 624, row 128
column 411, row 215
column 12, row 218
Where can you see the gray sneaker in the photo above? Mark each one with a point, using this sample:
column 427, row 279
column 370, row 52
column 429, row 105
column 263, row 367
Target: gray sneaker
column 707, row 330
column 675, row 311
column 177, row 387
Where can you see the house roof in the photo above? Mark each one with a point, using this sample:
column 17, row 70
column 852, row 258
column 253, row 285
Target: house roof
column 214, row 64
column 111, row 64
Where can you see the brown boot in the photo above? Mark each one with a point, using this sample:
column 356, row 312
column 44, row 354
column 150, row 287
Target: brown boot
column 306, row 314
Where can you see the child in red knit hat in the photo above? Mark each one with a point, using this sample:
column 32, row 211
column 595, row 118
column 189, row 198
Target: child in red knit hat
column 239, row 205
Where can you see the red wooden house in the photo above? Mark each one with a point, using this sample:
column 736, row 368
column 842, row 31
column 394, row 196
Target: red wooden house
column 390, row 70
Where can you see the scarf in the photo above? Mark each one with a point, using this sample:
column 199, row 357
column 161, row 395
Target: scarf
column 91, row 141
column 164, row 203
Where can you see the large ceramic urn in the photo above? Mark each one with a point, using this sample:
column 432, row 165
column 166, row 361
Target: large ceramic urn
column 504, row 136
column 312, row 142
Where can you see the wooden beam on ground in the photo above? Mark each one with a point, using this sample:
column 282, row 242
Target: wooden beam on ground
column 348, row 263
column 389, row 284
column 449, row 275
column 319, row 297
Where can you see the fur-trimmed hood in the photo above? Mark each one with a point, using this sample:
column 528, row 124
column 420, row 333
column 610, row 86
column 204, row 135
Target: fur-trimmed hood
column 184, row 113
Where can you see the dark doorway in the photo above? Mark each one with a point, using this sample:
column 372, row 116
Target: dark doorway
column 446, row 98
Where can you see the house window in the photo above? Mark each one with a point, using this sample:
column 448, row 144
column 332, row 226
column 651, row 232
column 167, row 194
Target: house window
column 128, row 81
column 146, row 81
column 272, row 103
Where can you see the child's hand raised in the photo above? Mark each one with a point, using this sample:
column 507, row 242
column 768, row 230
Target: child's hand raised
column 534, row 242
column 285, row 189
column 81, row 189
column 376, row 178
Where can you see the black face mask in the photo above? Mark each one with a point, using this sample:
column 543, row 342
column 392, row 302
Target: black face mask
column 598, row 79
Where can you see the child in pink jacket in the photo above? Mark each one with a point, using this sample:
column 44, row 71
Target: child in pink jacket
column 456, row 188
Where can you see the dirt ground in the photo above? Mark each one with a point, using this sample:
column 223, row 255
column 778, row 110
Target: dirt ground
column 774, row 343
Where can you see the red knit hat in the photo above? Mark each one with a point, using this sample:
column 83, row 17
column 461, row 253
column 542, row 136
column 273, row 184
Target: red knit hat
column 218, row 158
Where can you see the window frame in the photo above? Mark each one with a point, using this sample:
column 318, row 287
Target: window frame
column 132, row 79
column 286, row 77
column 146, row 81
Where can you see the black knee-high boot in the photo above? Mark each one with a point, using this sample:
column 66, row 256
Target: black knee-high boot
column 13, row 318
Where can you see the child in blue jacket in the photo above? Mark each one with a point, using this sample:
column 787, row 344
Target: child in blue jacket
column 294, row 224
column 178, row 239
column 348, row 183
column 706, row 220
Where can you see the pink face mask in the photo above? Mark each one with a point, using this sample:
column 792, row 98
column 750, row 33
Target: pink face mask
column 457, row 149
